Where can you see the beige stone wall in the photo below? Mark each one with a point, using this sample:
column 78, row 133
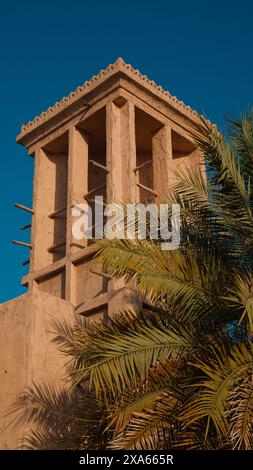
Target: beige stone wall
column 27, row 353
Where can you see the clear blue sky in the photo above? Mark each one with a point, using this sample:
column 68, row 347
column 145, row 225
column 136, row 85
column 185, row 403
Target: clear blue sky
column 199, row 51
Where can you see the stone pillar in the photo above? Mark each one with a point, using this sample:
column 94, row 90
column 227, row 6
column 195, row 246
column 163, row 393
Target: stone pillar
column 114, row 189
column 77, row 182
column 34, row 216
column 121, row 151
column 77, row 187
column 70, row 283
column 128, row 152
column 162, row 158
column 43, row 205
column 121, row 182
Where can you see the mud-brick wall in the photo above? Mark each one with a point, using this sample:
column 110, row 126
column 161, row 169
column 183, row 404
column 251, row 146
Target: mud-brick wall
column 27, row 353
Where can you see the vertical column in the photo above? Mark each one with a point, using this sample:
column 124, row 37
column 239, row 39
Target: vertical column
column 114, row 187
column 121, row 181
column 70, row 282
column 162, row 159
column 77, row 187
column 121, row 151
column 128, row 152
column 77, row 183
column 35, row 214
column 43, row 204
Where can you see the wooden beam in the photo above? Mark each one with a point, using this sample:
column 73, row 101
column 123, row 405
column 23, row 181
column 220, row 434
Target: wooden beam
column 58, row 211
column 98, row 165
column 100, row 273
column 97, row 202
column 147, row 189
column 27, row 261
column 16, row 242
column 142, row 165
column 55, row 247
column 24, row 208
column 25, row 227
column 77, row 245
column 92, row 191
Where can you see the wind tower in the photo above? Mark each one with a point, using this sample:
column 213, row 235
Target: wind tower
column 118, row 135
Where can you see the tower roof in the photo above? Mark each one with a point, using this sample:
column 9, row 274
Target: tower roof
column 118, row 67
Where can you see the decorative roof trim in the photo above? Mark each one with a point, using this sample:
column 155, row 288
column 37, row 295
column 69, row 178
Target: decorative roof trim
column 119, row 65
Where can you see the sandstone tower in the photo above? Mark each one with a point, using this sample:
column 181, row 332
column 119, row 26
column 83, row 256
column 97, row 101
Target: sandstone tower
column 119, row 135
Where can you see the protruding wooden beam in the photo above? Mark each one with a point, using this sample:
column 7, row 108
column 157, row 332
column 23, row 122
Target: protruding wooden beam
column 99, row 165
column 97, row 202
column 16, row 242
column 147, row 189
column 24, row 208
column 25, row 227
column 92, row 191
column 58, row 211
column 77, row 245
column 100, row 273
column 27, row 261
column 142, row 165
column 56, row 247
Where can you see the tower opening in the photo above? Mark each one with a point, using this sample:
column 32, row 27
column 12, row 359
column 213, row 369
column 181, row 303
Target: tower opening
column 94, row 129
column 146, row 127
column 54, row 197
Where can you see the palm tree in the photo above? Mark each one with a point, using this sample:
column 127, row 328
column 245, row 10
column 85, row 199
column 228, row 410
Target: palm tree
column 180, row 373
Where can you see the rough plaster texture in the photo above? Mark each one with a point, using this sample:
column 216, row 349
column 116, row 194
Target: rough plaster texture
column 27, row 353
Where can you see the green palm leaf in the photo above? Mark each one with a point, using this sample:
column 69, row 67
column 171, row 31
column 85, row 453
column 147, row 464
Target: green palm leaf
column 218, row 379
column 148, row 429
column 115, row 362
column 144, row 395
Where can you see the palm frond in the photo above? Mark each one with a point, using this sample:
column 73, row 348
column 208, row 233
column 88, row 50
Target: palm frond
column 144, row 395
column 149, row 429
column 171, row 276
column 240, row 413
column 214, row 386
column 242, row 141
column 115, row 362
column 242, row 297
